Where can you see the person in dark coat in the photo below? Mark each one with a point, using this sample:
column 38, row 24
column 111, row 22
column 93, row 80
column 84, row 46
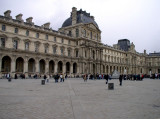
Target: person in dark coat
column 106, row 77
column 120, row 80
column 15, row 76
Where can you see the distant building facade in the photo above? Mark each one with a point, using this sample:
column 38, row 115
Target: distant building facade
column 75, row 49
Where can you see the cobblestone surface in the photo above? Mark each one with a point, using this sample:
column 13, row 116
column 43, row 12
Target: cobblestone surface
column 75, row 99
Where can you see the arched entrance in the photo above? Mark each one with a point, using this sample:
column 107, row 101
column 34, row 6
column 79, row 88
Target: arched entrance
column 51, row 67
column 31, row 65
column 75, row 68
column 6, row 64
column 42, row 66
column 19, row 65
column 60, row 67
column 68, row 67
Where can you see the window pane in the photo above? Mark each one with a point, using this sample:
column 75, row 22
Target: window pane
column 3, row 27
column 37, row 35
column 2, row 42
column 27, row 33
column 26, row 46
column 16, row 30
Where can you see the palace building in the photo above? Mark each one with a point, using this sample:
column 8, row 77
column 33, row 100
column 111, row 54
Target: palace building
column 75, row 49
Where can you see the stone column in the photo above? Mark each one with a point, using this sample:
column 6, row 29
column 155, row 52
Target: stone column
column 71, row 68
column 13, row 65
column 64, row 68
column 55, row 67
column 97, row 54
column 47, row 66
column 90, row 52
column 26, row 67
column 37, row 65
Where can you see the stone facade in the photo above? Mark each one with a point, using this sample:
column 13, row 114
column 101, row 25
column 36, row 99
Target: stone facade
column 74, row 49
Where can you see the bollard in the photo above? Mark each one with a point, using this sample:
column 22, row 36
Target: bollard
column 9, row 79
column 110, row 86
column 43, row 82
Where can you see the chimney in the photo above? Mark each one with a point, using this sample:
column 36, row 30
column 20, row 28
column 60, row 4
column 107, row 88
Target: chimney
column 19, row 17
column 7, row 14
column 46, row 25
column 145, row 52
column 92, row 17
column 74, row 15
column 29, row 20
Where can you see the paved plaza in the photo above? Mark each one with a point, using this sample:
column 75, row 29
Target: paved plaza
column 76, row 99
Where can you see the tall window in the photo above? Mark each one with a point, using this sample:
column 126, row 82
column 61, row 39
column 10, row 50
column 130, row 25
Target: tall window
column 97, row 36
column 54, row 50
column 27, row 33
column 61, row 51
column 84, row 33
column 16, row 30
column 69, row 52
column 55, row 40
column 15, row 44
column 70, row 33
column 76, row 42
column 37, row 35
column 46, row 37
column 91, row 34
column 85, row 53
column 26, row 45
column 46, row 49
column 69, row 42
column 3, row 27
column 36, row 47
column 62, row 40
column 3, row 42
column 76, row 53
column 77, row 32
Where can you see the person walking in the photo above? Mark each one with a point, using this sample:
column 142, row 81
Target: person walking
column 85, row 78
column 120, row 79
column 106, row 77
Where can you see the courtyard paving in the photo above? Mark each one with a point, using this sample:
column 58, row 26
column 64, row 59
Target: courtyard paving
column 76, row 99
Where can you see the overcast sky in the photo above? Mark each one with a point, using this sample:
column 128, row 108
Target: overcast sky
column 136, row 20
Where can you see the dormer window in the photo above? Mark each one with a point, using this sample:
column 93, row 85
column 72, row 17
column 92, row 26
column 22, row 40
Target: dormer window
column 55, row 40
column 27, row 33
column 3, row 27
column 46, row 37
column 77, row 32
column 37, row 35
column 16, row 30
column 62, row 40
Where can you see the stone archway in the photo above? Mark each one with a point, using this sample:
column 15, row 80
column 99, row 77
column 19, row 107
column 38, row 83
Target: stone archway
column 60, row 67
column 42, row 66
column 31, row 65
column 6, row 64
column 51, row 67
column 19, row 65
column 67, row 67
